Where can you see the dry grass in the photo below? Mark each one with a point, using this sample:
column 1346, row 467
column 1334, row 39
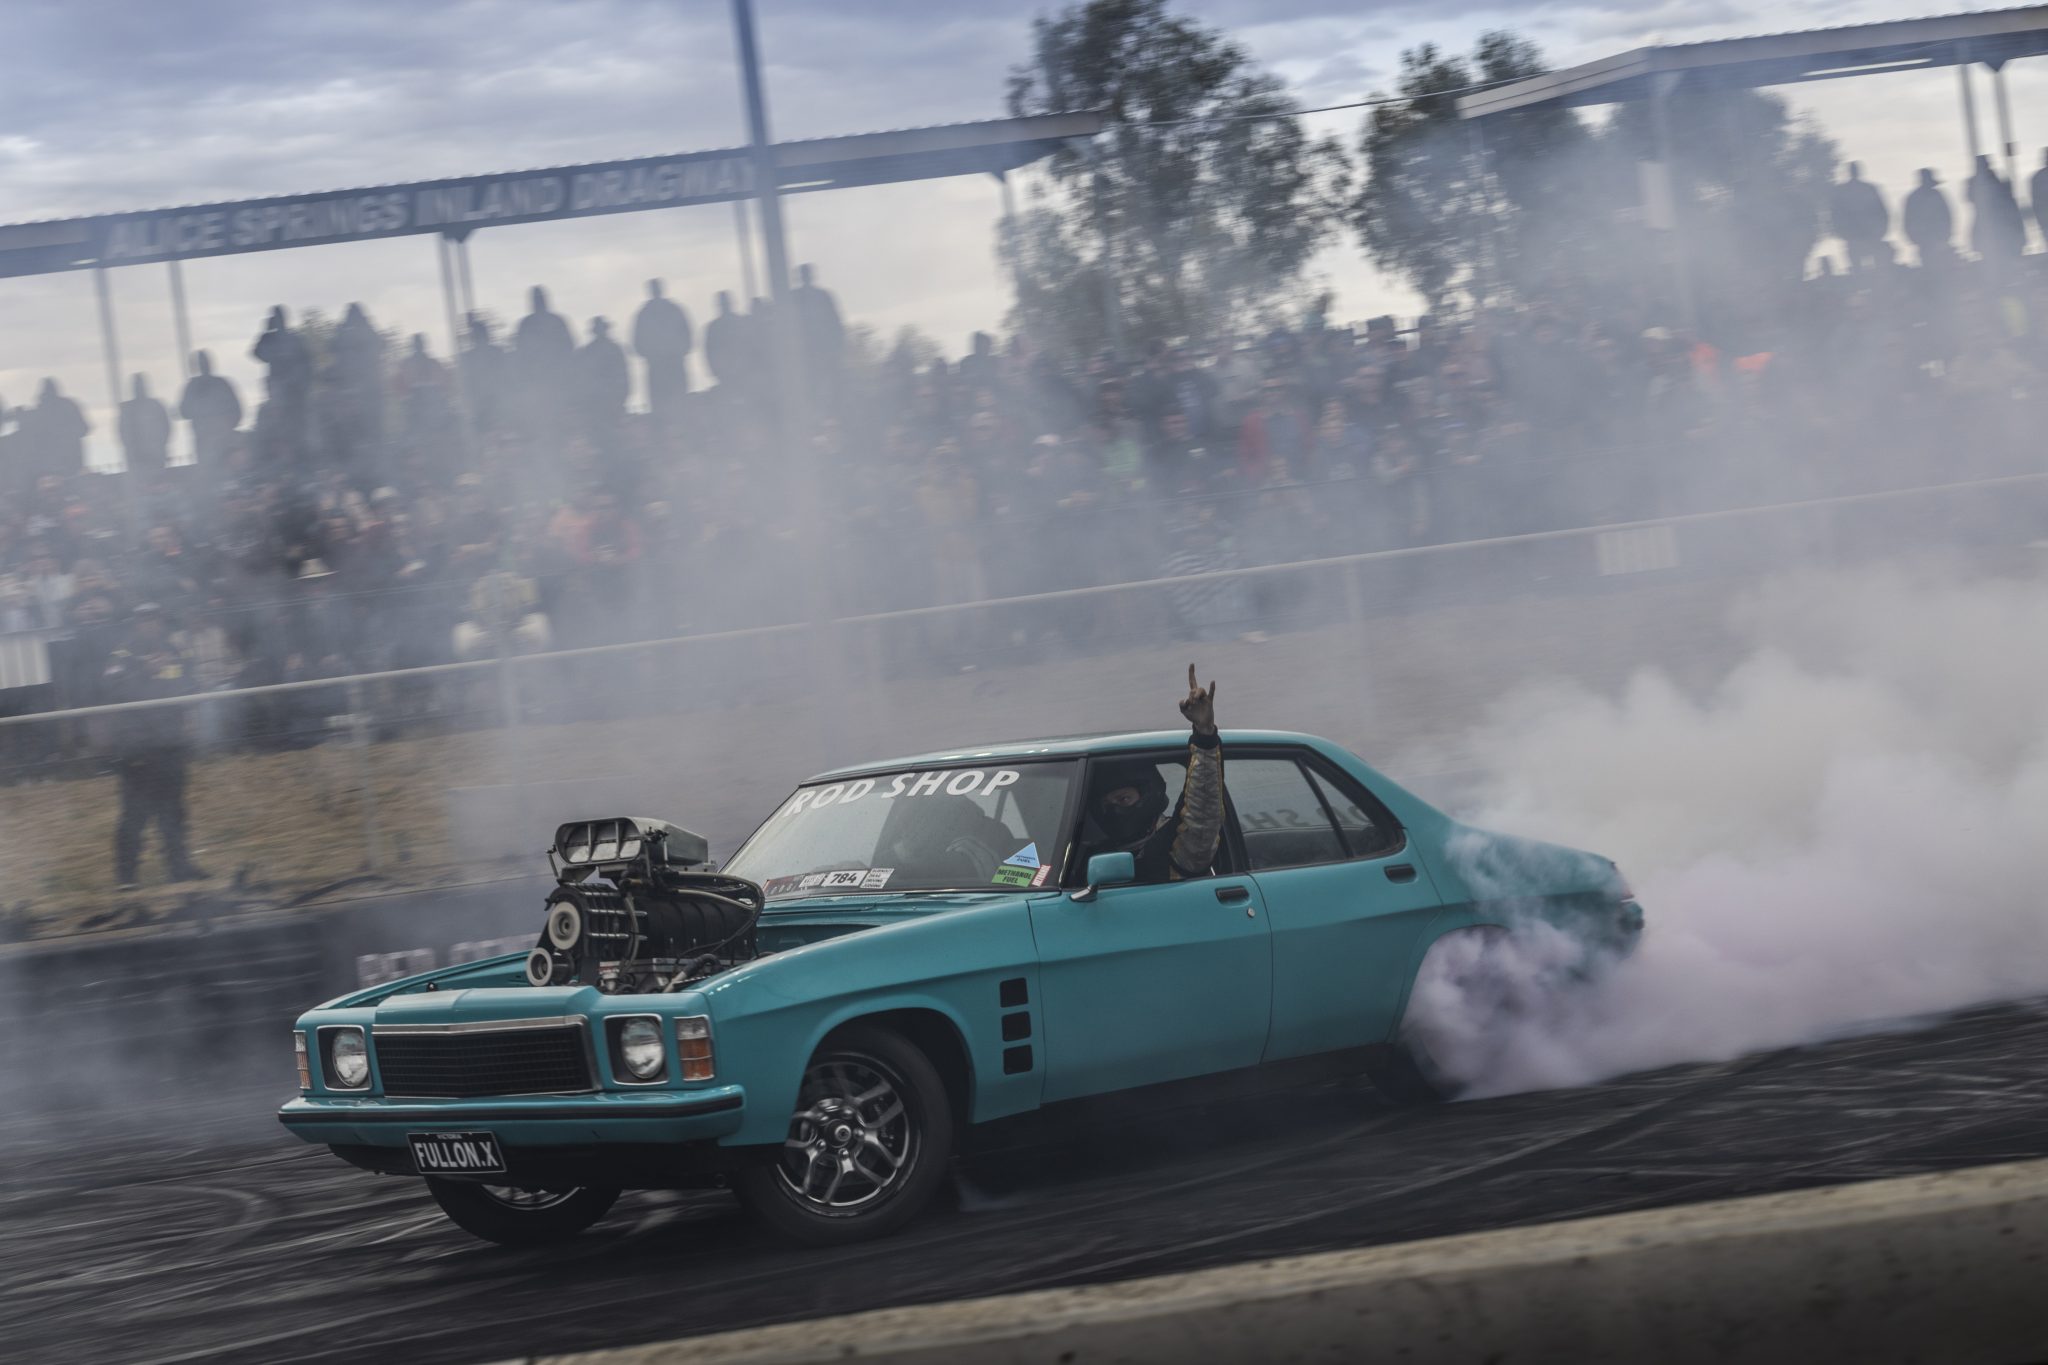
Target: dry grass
column 276, row 828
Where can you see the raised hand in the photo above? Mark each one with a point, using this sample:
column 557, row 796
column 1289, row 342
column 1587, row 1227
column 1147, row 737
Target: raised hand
column 1199, row 706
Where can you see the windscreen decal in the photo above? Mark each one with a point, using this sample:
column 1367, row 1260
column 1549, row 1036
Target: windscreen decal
column 933, row 782
column 1026, row 856
column 876, row 878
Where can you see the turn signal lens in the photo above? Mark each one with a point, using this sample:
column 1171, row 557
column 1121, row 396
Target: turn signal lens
column 693, row 1047
column 305, row 1067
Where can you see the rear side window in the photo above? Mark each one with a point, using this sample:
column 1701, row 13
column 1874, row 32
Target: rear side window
column 1367, row 828
column 1280, row 814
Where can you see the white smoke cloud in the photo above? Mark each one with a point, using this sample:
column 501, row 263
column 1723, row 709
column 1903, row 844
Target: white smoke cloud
column 1848, row 828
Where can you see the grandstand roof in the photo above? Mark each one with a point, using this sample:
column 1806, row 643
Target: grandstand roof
column 463, row 204
column 1991, row 36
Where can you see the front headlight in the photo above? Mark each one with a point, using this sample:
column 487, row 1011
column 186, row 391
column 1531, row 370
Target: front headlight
column 640, row 1048
column 345, row 1063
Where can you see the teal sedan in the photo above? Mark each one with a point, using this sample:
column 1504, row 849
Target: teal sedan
column 905, row 950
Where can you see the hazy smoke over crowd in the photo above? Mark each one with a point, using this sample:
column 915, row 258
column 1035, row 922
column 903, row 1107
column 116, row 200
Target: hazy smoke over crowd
column 1847, row 828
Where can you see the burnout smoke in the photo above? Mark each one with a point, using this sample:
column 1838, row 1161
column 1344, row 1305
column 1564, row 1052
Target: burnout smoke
column 1847, row 828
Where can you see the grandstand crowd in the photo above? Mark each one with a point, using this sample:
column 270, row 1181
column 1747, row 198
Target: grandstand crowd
column 377, row 507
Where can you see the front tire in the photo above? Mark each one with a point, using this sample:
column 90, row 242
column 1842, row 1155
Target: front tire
column 868, row 1145
column 520, row 1217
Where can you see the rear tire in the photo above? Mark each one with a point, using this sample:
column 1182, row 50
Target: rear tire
column 520, row 1218
column 1459, row 1007
column 868, row 1145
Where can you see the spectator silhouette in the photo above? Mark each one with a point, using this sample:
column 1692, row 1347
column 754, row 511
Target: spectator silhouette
column 1997, row 232
column 728, row 345
column 2037, row 195
column 145, row 430
column 484, row 365
column 602, row 383
column 53, row 432
column 288, row 363
column 1856, row 209
column 425, row 414
column 661, row 337
column 358, row 417
column 543, row 352
column 211, row 405
column 1928, row 221
column 820, row 332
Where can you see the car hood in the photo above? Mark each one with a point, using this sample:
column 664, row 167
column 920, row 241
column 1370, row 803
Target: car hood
column 793, row 923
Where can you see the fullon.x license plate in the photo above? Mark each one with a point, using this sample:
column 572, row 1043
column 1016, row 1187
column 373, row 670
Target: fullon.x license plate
column 456, row 1153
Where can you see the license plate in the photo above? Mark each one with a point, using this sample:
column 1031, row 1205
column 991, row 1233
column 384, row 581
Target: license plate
column 456, row 1153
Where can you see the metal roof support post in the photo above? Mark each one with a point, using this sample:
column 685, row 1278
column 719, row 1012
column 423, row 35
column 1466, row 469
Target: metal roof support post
column 1969, row 102
column 110, row 345
column 1014, row 239
column 180, row 321
column 2012, row 169
column 1662, row 87
column 1484, row 280
column 447, row 252
column 463, row 276
column 1112, row 303
column 744, row 230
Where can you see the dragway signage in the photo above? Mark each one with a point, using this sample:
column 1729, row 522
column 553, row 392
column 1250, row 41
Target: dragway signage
column 433, row 206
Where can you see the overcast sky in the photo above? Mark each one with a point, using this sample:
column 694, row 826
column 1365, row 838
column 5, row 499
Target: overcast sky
column 111, row 105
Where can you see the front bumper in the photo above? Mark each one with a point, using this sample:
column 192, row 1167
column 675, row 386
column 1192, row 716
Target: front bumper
column 524, row 1120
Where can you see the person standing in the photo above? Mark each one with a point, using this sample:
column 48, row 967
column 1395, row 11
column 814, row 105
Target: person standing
column 1857, row 211
column 543, row 358
column 145, row 431
column 603, row 381
column 821, row 333
column 728, row 349
column 151, row 748
column 288, row 362
column 358, row 355
column 484, row 366
column 213, row 408
column 662, row 338
column 54, row 432
column 1997, row 232
column 1928, row 221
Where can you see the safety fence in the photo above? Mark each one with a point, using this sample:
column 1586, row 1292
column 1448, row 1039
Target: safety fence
column 411, row 775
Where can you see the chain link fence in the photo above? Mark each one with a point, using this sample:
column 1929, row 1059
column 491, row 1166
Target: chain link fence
column 440, row 775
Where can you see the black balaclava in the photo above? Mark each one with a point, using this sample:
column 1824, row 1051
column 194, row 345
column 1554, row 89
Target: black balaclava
column 1123, row 825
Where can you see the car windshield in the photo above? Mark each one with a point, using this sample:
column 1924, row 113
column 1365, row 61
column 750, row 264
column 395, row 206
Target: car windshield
column 922, row 829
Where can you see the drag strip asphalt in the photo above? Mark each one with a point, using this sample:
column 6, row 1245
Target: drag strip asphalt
column 238, row 1245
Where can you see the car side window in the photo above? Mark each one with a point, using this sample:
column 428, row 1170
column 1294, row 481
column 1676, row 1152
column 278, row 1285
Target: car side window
column 1280, row 815
column 1367, row 829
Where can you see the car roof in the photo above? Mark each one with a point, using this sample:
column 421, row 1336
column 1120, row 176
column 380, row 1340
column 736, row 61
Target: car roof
column 1066, row 746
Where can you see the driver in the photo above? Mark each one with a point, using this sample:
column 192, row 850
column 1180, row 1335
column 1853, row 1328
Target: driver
column 1127, row 802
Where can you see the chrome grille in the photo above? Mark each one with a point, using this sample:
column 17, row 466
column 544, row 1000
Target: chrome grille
column 504, row 1061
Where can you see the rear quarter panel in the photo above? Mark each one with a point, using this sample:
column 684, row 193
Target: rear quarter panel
column 1487, row 879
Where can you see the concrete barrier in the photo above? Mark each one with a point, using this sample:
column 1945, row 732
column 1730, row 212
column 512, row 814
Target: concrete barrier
column 1950, row 1268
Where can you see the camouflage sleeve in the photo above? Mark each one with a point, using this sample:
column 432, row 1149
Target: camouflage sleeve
column 1200, row 821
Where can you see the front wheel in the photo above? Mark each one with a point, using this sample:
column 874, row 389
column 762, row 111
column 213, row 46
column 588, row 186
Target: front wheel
column 867, row 1148
column 520, row 1217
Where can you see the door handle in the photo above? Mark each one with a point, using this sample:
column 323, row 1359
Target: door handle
column 1231, row 895
column 1400, row 872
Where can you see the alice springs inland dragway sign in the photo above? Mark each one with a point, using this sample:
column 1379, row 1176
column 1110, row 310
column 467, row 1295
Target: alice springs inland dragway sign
column 433, row 206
